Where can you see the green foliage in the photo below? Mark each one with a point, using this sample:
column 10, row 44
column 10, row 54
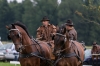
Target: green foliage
column 91, row 18
column 5, row 17
column 7, row 64
column 17, row 10
column 29, row 16
column 34, row 13
column 85, row 15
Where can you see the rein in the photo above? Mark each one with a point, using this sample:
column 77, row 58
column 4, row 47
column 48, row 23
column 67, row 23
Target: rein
column 64, row 41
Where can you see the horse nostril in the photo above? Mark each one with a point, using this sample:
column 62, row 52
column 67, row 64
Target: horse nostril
column 19, row 49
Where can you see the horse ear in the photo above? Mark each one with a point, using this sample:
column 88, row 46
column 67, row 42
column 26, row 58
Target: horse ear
column 7, row 27
column 13, row 26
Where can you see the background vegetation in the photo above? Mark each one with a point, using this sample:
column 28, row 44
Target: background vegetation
column 85, row 15
column 7, row 64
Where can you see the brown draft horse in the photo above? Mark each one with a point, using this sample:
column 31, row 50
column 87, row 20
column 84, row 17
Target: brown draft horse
column 67, row 52
column 30, row 51
column 95, row 50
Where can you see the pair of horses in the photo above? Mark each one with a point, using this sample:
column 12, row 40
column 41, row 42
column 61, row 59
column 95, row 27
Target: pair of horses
column 34, row 53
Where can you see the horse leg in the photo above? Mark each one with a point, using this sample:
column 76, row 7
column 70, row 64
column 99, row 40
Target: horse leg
column 45, row 63
column 62, row 63
column 93, row 60
column 96, row 60
column 22, row 62
column 81, row 64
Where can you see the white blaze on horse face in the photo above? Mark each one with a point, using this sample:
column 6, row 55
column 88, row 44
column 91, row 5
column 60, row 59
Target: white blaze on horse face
column 65, row 40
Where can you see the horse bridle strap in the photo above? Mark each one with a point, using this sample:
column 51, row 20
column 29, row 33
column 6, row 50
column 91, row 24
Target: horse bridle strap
column 67, row 55
column 37, row 54
column 78, row 56
column 13, row 29
column 28, row 55
column 60, row 34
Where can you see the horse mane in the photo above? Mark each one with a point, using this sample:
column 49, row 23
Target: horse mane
column 22, row 26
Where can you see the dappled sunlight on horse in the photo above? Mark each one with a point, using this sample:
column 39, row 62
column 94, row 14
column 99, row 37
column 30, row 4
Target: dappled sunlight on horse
column 31, row 52
column 67, row 52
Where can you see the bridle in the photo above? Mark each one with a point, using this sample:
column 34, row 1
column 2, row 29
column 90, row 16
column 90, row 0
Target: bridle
column 21, row 47
column 60, row 49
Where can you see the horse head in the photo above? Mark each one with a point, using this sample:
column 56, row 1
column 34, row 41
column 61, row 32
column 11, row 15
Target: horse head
column 66, row 49
column 16, row 35
column 29, row 49
column 60, row 40
column 95, row 49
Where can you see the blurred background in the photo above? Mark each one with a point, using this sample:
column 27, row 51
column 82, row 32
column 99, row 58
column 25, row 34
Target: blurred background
column 85, row 15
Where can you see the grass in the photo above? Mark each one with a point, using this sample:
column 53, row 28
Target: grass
column 7, row 64
column 4, row 42
column 88, row 47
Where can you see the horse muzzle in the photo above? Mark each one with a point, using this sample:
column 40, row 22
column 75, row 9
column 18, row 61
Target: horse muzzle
column 20, row 49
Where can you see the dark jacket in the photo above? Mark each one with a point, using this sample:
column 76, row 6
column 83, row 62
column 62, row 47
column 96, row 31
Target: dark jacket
column 72, row 34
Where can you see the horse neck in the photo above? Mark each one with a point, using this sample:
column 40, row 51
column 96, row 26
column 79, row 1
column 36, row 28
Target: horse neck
column 67, row 46
column 26, row 40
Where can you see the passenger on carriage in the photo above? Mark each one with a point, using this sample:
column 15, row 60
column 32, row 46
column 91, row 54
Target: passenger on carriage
column 71, row 30
column 47, row 31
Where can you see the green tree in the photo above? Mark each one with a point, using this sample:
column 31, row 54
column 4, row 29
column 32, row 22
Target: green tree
column 35, row 10
column 6, row 17
column 91, row 21
column 17, row 10
column 29, row 16
column 47, row 8
column 67, row 10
